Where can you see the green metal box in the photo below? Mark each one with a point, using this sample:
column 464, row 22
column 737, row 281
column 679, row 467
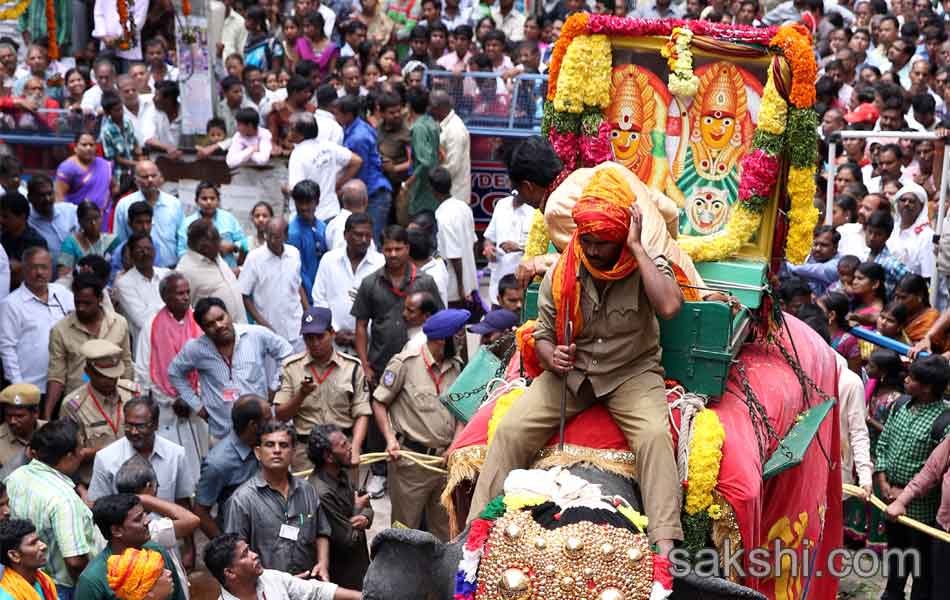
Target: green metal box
column 744, row 279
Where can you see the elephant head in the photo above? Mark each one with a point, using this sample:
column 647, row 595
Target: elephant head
column 414, row 565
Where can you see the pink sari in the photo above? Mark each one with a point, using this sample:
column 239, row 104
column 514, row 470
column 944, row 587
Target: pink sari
column 168, row 336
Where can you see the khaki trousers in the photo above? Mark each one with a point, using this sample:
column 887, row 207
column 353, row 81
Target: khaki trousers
column 638, row 406
column 414, row 491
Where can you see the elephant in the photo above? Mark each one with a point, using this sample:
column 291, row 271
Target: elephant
column 408, row 564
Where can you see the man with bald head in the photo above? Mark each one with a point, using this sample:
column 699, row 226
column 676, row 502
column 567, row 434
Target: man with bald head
column 354, row 198
column 271, row 284
column 455, row 143
column 167, row 214
column 135, row 107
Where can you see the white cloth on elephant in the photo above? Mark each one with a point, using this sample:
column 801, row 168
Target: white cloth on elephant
column 855, row 440
column 660, row 223
column 190, row 433
column 557, row 485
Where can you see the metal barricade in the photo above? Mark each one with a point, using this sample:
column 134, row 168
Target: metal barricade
column 491, row 105
column 44, row 127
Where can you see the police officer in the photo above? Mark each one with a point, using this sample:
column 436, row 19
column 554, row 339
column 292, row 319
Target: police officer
column 407, row 409
column 96, row 407
column 322, row 387
column 21, row 403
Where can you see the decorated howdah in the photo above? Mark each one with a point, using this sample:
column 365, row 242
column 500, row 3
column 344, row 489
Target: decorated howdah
column 710, row 130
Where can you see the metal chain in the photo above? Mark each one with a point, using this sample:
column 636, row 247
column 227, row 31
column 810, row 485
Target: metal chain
column 759, row 417
column 499, row 372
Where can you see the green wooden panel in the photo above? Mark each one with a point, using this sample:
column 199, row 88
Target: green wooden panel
column 744, row 279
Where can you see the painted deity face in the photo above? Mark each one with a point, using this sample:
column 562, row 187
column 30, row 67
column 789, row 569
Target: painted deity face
column 707, row 211
column 625, row 137
column 717, row 129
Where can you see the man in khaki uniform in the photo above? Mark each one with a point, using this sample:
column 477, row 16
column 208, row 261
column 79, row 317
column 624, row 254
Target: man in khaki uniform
column 322, row 387
column 88, row 322
column 407, row 409
column 21, row 403
column 96, row 407
column 611, row 290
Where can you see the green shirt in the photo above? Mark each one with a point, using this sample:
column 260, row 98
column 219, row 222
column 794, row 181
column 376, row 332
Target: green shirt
column 903, row 448
column 33, row 20
column 94, row 585
column 424, row 139
column 47, row 498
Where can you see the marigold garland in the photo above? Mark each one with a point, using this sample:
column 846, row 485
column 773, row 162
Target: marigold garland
column 705, row 454
column 742, row 225
column 802, row 215
column 796, row 44
column 14, row 11
column 122, row 7
column 574, row 26
column 773, row 111
column 679, row 58
column 802, row 140
column 185, row 7
column 53, row 44
column 585, row 76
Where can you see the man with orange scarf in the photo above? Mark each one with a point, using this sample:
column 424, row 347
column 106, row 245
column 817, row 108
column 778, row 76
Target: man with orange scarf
column 597, row 327
column 22, row 554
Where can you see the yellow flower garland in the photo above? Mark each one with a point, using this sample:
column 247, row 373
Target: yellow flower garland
column 639, row 521
column 585, row 74
column 773, row 112
column 538, row 239
column 742, row 225
column 502, row 405
column 705, row 454
column 14, row 11
column 802, row 215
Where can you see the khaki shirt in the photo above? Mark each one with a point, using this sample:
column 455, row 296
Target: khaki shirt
column 94, row 426
column 410, row 393
column 10, row 445
column 339, row 400
column 66, row 362
column 620, row 338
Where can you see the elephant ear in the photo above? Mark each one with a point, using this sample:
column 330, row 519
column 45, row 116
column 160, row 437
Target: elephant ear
column 408, row 564
column 696, row 587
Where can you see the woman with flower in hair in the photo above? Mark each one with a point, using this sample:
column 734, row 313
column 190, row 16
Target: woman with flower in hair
column 139, row 575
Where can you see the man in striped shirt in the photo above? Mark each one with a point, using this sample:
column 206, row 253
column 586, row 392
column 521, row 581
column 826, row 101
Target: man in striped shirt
column 229, row 360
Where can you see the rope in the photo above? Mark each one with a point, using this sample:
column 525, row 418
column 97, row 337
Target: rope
column 853, row 490
column 690, row 405
column 426, row 461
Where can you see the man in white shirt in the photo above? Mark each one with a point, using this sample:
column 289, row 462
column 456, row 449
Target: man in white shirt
column 162, row 128
column 455, row 143
column 271, row 284
column 26, row 317
column 329, row 129
column 340, row 273
column 104, row 71
column 136, row 290
column 135, row 106
column 421, row 251
column 238, row 569
column 456, row 237
column 108, row 29
column 505, row 238
column 353, row 199
column 233, row 32
column 207, row 273
column 176, row 477
column 912, row 239
column 329, row 165
column 509, row 20
column 4, row 274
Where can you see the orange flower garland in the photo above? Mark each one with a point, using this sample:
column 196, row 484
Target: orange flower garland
column 795, row 43
column 185, row 7
column 53, row 47
column 122, row 7
column 575, row 25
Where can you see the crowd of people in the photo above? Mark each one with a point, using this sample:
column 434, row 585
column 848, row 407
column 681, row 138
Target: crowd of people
column 138, row 342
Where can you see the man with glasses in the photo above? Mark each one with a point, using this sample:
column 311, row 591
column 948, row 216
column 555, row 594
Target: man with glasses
column 175, row 476
column 167, row 214
column 26, row 317
column 96, row 407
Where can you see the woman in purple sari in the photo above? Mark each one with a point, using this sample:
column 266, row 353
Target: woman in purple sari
column 85, row 176
column 314, row 46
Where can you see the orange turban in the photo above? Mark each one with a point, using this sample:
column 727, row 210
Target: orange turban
column 602, row 210
column 132, row 574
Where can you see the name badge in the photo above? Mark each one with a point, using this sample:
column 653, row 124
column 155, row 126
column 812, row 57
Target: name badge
column 289, row 532
column 230, row 394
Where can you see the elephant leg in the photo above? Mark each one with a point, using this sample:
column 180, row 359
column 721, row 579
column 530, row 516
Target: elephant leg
column 638, row 406
column 524, row 430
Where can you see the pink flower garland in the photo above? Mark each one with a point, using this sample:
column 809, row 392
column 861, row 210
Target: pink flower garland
column 597, row 149
column 611, row 25
column 759, row 173
column 565, row 146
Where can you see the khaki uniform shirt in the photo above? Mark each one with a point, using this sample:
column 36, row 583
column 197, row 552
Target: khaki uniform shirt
column 339, row 400
column 95, row 430
column 620, row 337
column 10, row 445
column 66, row 362
column 409, row 391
